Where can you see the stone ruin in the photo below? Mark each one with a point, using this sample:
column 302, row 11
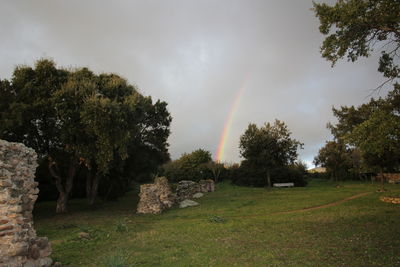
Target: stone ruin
column 391, row 178
column 207, row 186
column 19, row 245
column 187, row 189
column 156, row 197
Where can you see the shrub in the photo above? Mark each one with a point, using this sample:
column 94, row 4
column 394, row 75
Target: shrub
column 250, row 176
column 194, row 166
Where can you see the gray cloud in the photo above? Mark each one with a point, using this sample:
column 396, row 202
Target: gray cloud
column 196, row 55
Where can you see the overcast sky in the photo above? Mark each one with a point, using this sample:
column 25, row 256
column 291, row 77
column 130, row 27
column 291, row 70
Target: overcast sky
column 196, row 55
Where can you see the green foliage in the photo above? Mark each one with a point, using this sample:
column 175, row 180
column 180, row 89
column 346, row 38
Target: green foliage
column 294, row 173
column 267, row 148
column 353, row 28
column 366, row 137
column 248, row 175
column 336, row 158
column 195, row 158
column 349, row 117
column 194, row 166
column 79, row 120
column 217, row 169
column 27, row 109
column 378, row 139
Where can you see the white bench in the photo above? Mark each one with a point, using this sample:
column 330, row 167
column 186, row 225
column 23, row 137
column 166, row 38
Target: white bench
column 283, row 184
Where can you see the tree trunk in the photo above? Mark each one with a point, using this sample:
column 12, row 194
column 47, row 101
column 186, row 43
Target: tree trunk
column 268, row 179
column 62, row 203
column 92, row 185
column 63, row 189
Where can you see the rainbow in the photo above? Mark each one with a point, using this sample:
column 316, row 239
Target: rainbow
column 228, row 124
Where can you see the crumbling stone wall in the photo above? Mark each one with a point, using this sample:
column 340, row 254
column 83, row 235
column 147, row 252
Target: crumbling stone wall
column 207, row 185
column 391, row 178
column 19, row 245
column 156, row 197
column 186, row 189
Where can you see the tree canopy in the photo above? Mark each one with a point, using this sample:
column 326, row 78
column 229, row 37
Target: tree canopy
column 190, row 166
column 335, row 157
column 378, row 139
column 367, row 137
column 77, row 119
column 354, row 28
column 268, row 147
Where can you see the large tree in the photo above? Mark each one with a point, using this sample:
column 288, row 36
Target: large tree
column 379, row 140
column 370, row 132
column 354, row 28
column 28, row 115
column 268, row 147
column 335, row 157
column 77, row 118
column 349, row 117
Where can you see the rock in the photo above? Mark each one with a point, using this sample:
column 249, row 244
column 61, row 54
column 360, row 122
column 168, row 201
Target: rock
column 154, row 198
column 149, row 200
column 393, row 200
column 84, row 235
column 43, row 262
column 207, row 185
column 198, row 195
column 164, row 192
column 19, row 245
column 186, row 189
column 187, row 203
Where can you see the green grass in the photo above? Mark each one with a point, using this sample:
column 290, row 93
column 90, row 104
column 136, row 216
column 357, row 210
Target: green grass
column 234, row 226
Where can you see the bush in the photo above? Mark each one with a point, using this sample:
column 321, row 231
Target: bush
column 289, row 174
column 250, row 176
column 194, row 166
column 175, row 171
column 247, row 176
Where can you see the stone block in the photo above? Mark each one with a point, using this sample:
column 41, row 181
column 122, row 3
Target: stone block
column 198, row 195
column 187, row 203
column 207, row 185
column 18, row 192
column 186, row 189
column 154, row 198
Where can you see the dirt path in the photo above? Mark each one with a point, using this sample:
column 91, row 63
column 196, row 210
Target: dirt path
column 304, row 209
column 283, row 212
column 325, row 205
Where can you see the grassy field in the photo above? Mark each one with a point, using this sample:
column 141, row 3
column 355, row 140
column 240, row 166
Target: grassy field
column 234, row 226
